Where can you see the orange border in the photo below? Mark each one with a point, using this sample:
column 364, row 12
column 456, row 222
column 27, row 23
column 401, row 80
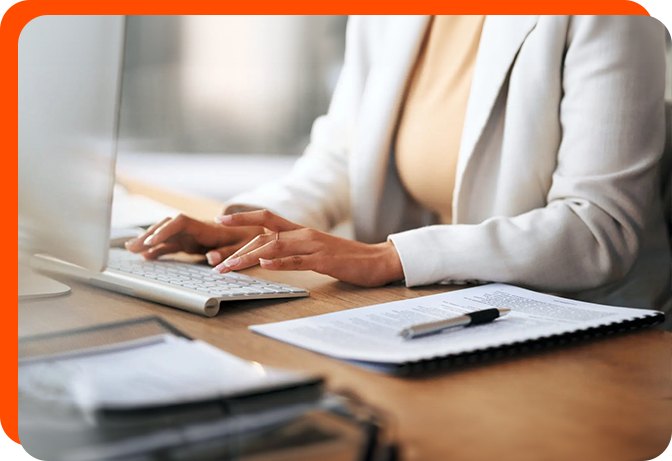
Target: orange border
column 22, row 13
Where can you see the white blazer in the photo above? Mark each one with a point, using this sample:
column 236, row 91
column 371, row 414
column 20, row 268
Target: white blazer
column 557, row 183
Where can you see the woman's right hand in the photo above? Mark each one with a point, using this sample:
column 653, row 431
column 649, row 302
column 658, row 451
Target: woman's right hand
column 190, row 235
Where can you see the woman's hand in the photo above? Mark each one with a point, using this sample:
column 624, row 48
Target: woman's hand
column 183, row 233
column 289, row 246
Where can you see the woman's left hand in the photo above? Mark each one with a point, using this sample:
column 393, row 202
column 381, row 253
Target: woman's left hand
column 288, row 246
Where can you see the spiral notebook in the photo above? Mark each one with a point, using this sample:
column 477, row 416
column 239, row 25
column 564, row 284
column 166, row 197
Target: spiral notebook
column 369, row 336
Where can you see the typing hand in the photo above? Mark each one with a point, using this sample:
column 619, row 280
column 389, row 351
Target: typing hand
column 183, row 233
column 288, row 246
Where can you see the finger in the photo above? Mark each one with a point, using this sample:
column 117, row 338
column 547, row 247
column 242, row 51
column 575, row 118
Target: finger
column 136, row 245
column 263, row 239
column 273, row 249
column 160, row 250
column 215, row 257
column 168, row 229
column 263, row 218
column 290, row 263
column 257, row 242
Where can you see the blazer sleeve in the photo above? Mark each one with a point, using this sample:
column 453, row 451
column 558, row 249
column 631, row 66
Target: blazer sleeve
column 316, row 191
column 588, row 234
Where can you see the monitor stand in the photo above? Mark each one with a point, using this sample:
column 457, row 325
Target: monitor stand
column 32, row 285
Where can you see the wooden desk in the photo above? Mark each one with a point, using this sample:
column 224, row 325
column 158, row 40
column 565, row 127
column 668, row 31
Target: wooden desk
column 608, row 400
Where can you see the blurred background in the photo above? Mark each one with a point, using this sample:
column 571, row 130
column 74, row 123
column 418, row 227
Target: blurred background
column 206, row 97
column 247, row 84
column 213, row 105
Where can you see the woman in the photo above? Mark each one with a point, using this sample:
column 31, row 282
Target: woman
column 517, row 149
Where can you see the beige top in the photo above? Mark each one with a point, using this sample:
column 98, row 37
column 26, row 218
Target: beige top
column 432, row 116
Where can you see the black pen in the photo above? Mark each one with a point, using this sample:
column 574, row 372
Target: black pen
column 465, row 320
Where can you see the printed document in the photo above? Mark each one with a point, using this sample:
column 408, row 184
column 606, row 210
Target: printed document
column 371, row 334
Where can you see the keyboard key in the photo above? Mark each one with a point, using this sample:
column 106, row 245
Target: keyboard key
column 196, row 277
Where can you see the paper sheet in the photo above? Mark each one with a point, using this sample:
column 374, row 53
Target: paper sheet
column 371, row 333
column 171, row 370
column 131, row 210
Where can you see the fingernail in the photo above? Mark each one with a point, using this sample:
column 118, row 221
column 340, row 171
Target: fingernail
column 265, row 262
column 213, row 258
column 220, row 268
column 149, row 240
column 223, row 219
column 133, row 241
column 232, row 262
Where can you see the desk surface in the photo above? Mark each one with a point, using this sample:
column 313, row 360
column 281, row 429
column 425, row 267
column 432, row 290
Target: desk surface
column 609, row 399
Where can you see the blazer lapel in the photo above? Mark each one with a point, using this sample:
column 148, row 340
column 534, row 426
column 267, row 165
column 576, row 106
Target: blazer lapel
column 501, row 39
column 380, row 110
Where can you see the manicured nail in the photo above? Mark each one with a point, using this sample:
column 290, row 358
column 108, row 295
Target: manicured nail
column 265, row 262
column 223, row 219
column 148, row 241
column 220, row 268
column 213, row 258
column 232, row 262
column 132, row 242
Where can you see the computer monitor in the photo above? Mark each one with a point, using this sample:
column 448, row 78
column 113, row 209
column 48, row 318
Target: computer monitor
column 69, row 85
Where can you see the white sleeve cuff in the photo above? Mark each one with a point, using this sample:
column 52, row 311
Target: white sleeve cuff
column 413, row 258
column 426, row 259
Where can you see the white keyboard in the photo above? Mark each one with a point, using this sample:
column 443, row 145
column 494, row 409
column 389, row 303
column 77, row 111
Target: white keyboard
column 197, row 277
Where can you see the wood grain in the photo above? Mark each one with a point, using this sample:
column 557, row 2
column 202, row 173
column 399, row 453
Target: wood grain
column 606, row 400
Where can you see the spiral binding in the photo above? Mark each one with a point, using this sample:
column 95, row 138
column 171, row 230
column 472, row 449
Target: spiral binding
column 521, row 347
